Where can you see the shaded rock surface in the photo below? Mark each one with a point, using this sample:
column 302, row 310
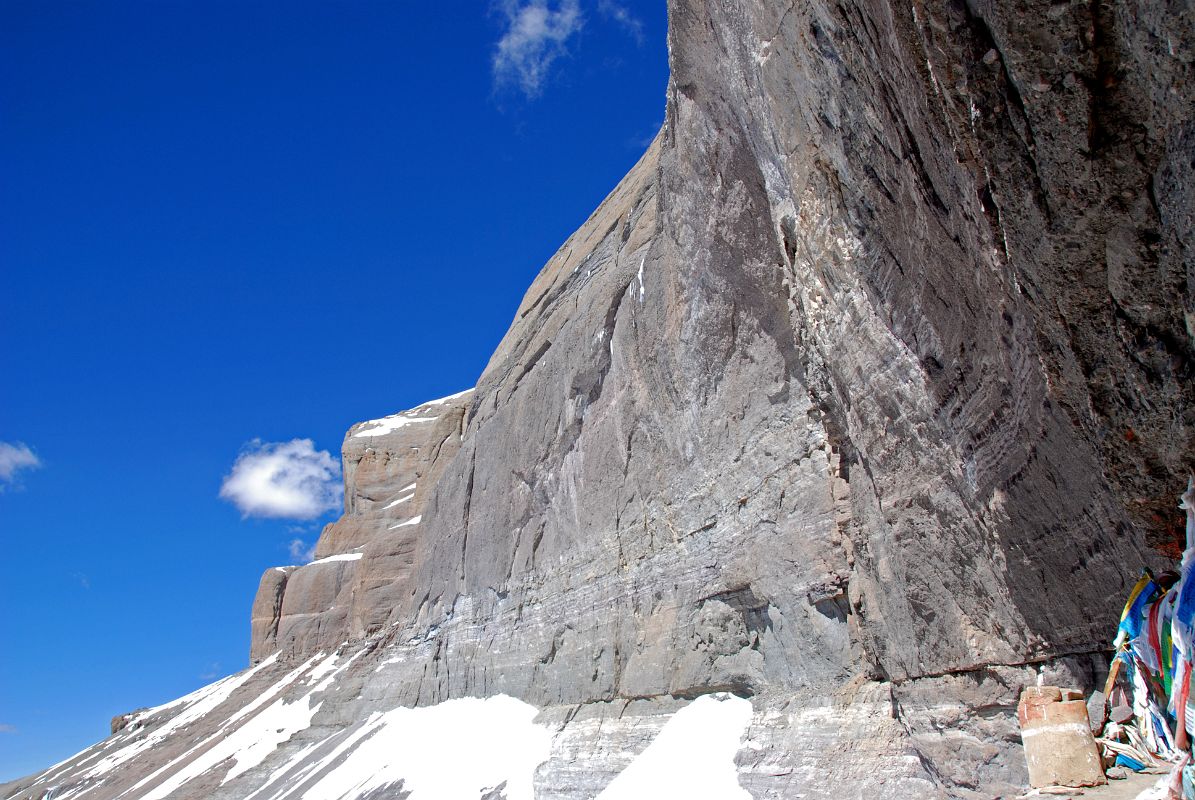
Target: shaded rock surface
column 865, row 395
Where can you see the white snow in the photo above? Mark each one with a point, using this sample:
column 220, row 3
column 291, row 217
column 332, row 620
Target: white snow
column 393, row 422
column 692, row 757
column 247, row 737
column 298, row 758
column 195, row 705
column 390, row 424
column 410, row 488
column 411, row 521
column 641, row 263
column 400, row 500
column 451, row 750
column 254, row 740
column 337, row 557
column 324, row 669
column 250, row 744
column 444, row 400
column 222, row 687
column 201, row 764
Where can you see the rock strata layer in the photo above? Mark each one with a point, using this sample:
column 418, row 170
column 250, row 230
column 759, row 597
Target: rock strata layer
column 864, row 396
column 362, row 566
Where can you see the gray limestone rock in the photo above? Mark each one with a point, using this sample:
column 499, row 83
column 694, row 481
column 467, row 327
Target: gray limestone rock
column 865, row 396
column 362, row 561
column 267, row 613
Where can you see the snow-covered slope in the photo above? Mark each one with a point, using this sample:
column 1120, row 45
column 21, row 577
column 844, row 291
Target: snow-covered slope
column 260, row 734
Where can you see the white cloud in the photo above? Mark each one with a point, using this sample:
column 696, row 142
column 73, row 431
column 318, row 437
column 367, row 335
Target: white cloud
column 301, row 552
column 7, row 728
column 13, row 458
column 623, row 16
column 535, row 36
column 286, row 480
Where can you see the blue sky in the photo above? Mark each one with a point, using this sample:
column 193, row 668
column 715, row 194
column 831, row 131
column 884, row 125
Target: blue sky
column 234, row 222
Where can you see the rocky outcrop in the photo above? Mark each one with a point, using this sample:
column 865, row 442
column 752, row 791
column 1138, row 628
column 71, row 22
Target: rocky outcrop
column 267, row 613
column 863, row 396
column 363, row 561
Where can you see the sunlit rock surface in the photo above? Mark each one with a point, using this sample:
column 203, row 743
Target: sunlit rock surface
column 862, row 399
column 363, row 561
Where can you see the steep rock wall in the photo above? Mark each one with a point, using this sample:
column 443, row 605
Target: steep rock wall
column 864, row 395
column 362, row 561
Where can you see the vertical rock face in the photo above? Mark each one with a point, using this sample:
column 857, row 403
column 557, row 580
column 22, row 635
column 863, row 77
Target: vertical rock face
column 362, row 566
column 864, row 395
column 267, row 613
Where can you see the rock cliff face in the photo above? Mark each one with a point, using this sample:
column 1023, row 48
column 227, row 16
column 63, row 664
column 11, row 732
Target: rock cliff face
column 863, row 398
column 363, row 561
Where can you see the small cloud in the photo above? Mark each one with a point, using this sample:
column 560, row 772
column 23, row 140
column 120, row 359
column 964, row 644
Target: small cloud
column 536, row 35
column 622, row 15
column 284, row 480
column 301, row 552
column 7, row 728
column 211, row 672
column 13, row 458
column 83, row 580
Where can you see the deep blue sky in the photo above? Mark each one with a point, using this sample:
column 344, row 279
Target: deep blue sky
column 223, row 221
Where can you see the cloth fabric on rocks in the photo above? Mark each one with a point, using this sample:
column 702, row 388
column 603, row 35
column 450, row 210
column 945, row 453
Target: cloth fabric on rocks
column 1155, row 652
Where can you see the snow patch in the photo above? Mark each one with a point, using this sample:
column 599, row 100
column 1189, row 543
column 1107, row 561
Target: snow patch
column 253, row 741
column 451, row 750
column 194, row 706
column 390, row 424
column 338, row 557
column 411, row 521
column 399, row 500
column 444, row 400
column 119, row 750
column 346, row 744
column 692, row 757
column 198, row 766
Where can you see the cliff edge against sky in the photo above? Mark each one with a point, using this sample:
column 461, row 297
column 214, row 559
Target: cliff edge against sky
column 863, row 399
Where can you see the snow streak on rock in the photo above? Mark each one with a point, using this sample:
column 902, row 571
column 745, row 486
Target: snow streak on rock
column 693, row 757
column 459, row 748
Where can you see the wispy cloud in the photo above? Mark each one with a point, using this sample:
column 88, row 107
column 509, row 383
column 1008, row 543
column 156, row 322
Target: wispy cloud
column 643, row 139
column 301, row 552
column 536, row 35
column 7, row 728
column 284, row 480
column 210, row 672
column 13, row 459
column 623, row 16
